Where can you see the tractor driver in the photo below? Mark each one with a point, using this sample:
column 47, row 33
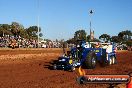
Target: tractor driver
column 80, row 49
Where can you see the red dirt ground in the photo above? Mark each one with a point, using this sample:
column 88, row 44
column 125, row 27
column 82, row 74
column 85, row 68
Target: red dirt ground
column 28, row 68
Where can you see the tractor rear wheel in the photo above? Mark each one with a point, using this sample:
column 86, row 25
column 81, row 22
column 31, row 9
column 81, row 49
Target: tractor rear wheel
column 90, row 61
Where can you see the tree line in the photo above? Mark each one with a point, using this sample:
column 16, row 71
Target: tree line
column 16, row 29
column 123, row 37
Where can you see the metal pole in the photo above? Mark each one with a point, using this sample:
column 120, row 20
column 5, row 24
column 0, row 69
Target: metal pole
column 91, row 12
column 38, row 22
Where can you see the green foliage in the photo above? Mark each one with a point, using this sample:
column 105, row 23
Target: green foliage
column 40, row 34
column 105, row 37
column 17, row 29
column 125, row 35
column 88, row 38
column 32, row 32
column 129, row 43
column 23, row 33
column 80, row 35
column 95, row 40
column 5, row 29
column 115, row 39
column 72, row 41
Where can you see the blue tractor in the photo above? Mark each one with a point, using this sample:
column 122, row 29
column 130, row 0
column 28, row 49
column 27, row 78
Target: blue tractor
column 86, row 55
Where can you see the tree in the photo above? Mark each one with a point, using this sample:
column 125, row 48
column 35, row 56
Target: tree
column 4, row 29
column 72, row 41
column 121, row 36
column 125, row 35
column 15, row 28
column 129, row 34
column 23, row 33
column 33, row 32
column 105, row 37
column 129, row 43
column 40, row 34
column 115, row 39
column 95, row 40
column 80, row 35
column 88, row 38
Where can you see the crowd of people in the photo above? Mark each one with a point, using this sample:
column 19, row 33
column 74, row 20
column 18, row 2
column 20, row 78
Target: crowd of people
column 7, row 41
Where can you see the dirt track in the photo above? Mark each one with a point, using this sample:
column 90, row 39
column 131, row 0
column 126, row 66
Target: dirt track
column 28, row 68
